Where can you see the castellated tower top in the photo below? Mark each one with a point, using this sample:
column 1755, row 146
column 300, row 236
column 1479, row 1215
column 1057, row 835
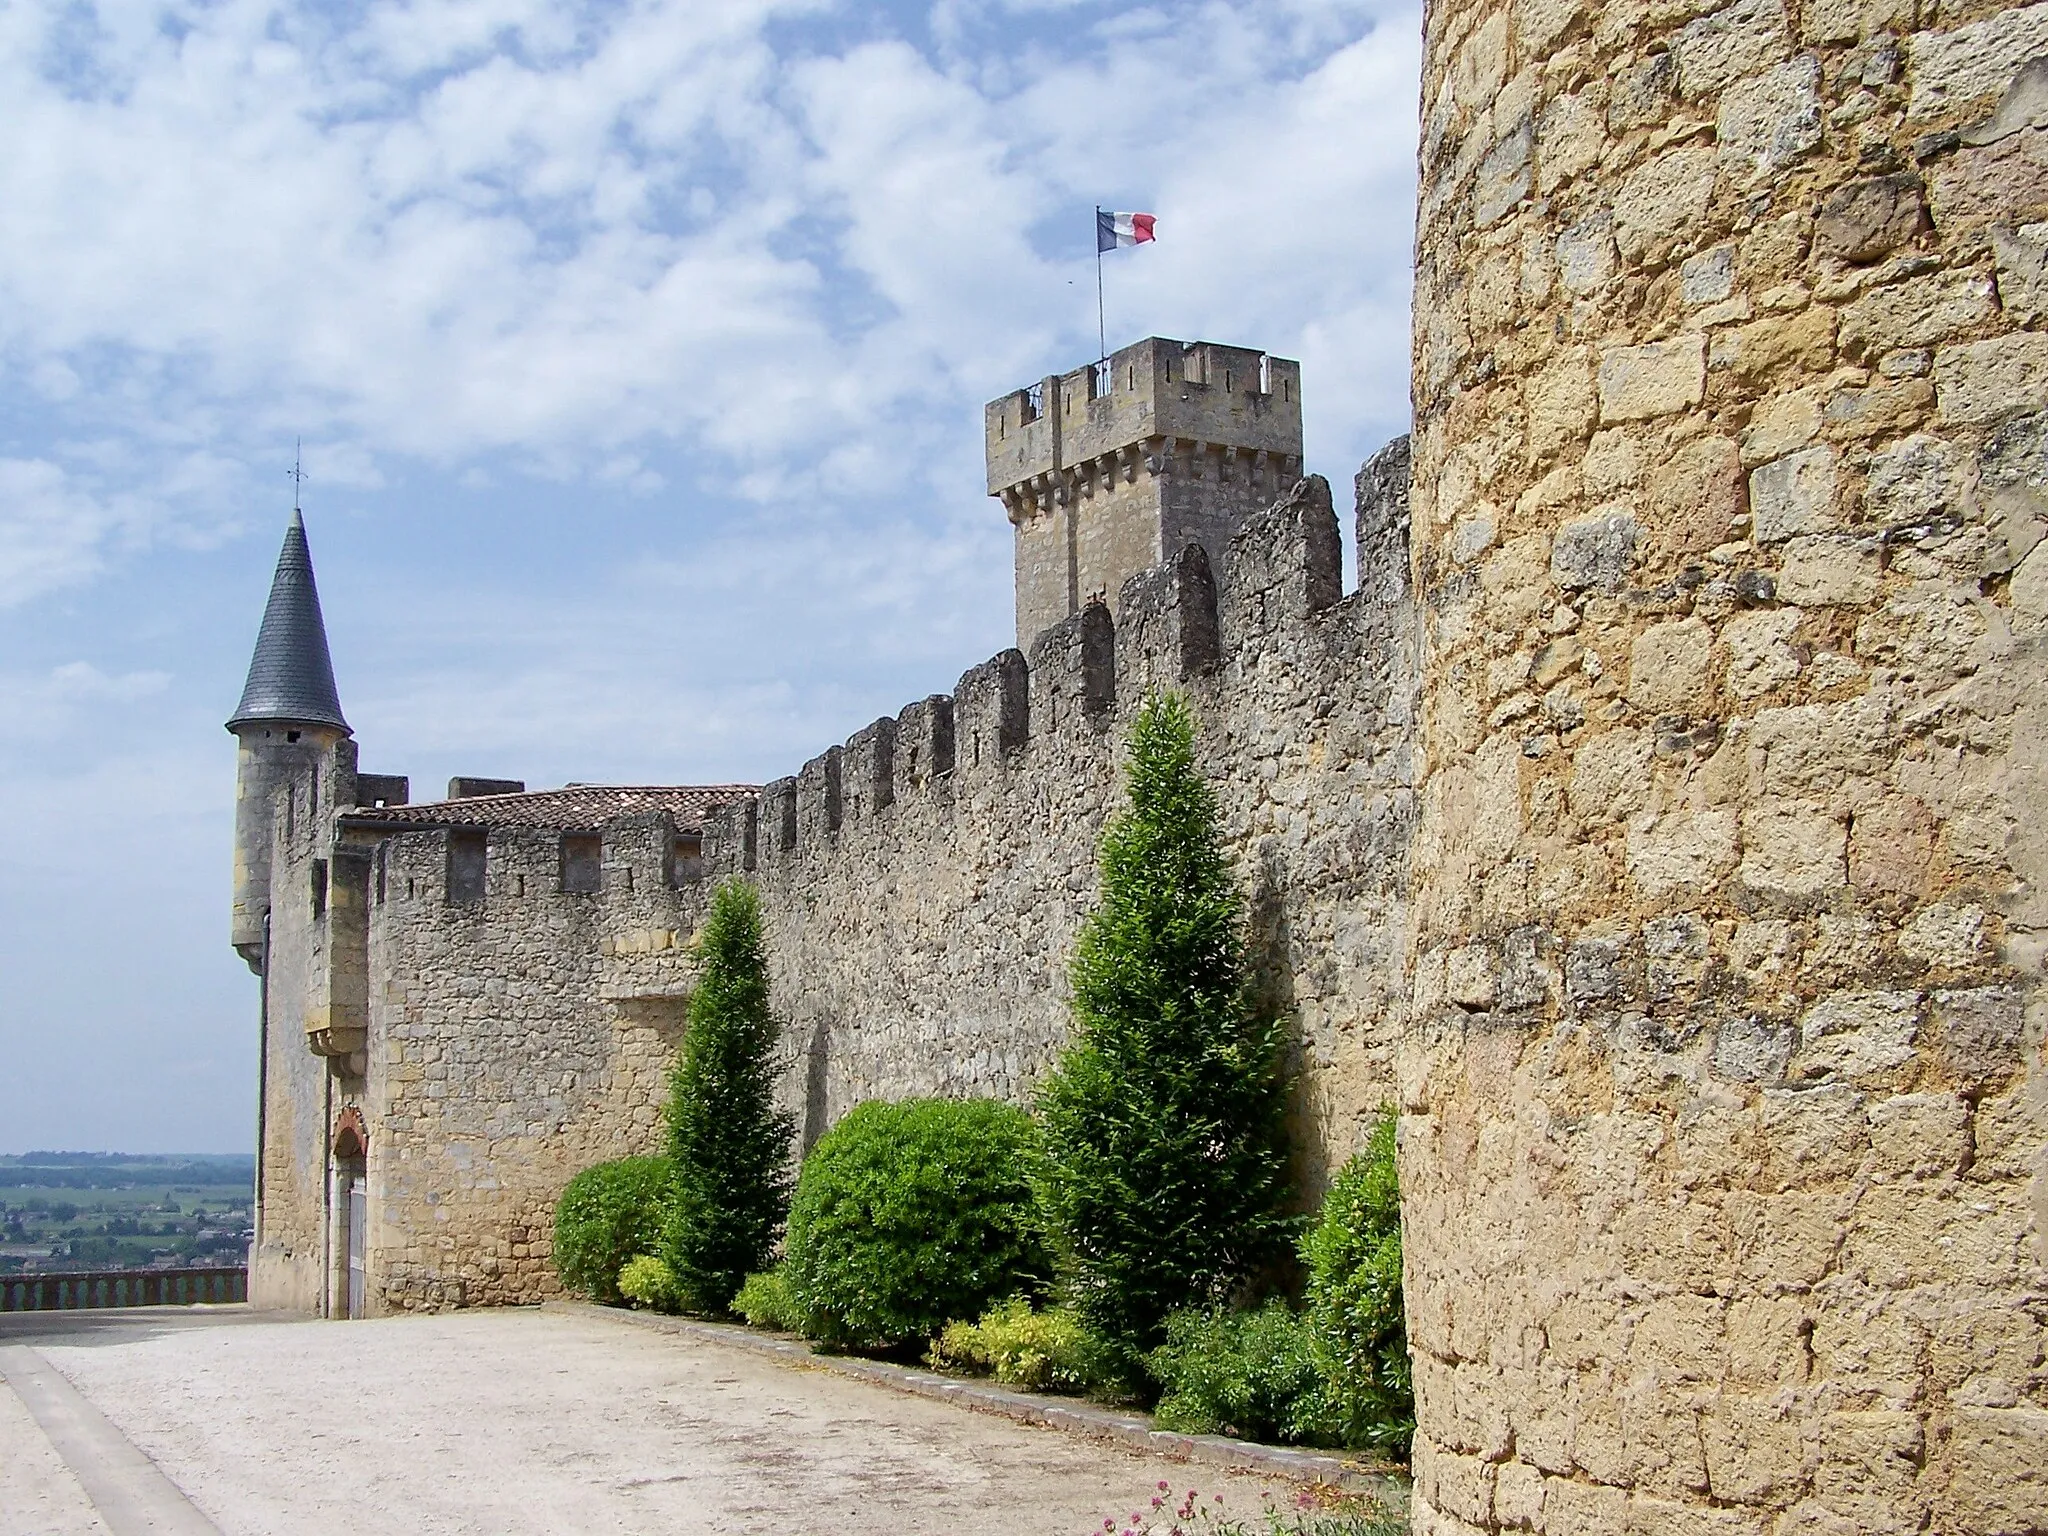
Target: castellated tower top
column 1110, row 469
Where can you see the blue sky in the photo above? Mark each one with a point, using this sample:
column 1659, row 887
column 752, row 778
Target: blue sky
column 639, row 353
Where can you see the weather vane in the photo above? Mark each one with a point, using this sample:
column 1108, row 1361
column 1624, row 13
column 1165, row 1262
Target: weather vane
column 298, row 474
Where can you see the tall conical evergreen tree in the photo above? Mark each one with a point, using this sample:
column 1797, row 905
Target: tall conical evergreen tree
column 729, row 1142
column 1164, row 1147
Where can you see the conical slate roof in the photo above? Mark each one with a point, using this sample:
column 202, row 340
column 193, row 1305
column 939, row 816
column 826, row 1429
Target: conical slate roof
column 291, row 678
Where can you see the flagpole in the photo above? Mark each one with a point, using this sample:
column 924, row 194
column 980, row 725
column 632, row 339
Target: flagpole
column 1101, row 324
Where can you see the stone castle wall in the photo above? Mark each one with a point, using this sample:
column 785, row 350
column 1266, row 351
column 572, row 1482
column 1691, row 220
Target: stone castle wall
column 922, row 885
column 514, row 1041
column 921, row 888
column 1723, row 1145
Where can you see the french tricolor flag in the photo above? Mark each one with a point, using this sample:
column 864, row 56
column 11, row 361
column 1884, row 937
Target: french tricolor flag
column 1115, row 229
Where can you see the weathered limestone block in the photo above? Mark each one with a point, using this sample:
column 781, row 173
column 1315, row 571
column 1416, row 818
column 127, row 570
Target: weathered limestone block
column 1917, row 312
column 1981, row 381
column 1729, row 45
column 1971, row 66
column 1560, row 403
column 1664, row 200
column 1594, row 552
column 1857, row 1035
column 2022, row 257
column 1655, row 379
column 1831, row 571
column 1668, row 667
column 1865, row 220
column 2000, row 183
column 1794, row 495
column 1771, row 119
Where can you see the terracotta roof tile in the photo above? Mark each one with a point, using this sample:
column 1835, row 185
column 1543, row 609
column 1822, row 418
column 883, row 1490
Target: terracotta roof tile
column 577, row 806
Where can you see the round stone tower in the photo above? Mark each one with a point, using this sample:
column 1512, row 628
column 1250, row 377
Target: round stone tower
column 1724, row 1096
column 288, row 720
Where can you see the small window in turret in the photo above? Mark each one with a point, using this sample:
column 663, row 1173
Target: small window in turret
column 582, row 863
column 466, row 856
column 319, row 889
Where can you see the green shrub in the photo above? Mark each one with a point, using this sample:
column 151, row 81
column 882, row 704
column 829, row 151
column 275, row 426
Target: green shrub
column 1250, row 1374
column 648, row 1282
column 1164, row 1163
column 607, row 1214
column 1049, row 1351
column 729, row 1142
column 1353, row 1259
column 764, row 1301
column 907, row 1215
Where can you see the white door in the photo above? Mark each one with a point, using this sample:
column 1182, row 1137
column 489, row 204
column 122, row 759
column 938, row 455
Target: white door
column 358, row 1220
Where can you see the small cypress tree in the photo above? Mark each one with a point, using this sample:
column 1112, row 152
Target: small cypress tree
column 729, row 1143
column 1164, row 1147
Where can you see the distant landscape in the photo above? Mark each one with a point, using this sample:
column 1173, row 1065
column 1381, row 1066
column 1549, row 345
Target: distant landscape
column 114, row 1210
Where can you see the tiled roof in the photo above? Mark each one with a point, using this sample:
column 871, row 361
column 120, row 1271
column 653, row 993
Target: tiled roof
column 578, row 806
column 291, row 679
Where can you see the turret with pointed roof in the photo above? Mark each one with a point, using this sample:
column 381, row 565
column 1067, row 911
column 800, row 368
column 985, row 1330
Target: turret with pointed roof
column 291, row 676
column 288, row 721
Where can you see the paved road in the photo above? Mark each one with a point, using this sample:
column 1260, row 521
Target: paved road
column 509, row 1422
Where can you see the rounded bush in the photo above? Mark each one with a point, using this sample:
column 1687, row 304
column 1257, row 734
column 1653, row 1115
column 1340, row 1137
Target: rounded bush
column 607, row 1215
column 908, row 1216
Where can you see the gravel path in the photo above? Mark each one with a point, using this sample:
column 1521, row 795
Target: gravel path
column 521, row 1421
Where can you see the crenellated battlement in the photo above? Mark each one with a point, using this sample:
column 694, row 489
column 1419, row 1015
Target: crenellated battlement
column 1116, row 418
column 1174, row 626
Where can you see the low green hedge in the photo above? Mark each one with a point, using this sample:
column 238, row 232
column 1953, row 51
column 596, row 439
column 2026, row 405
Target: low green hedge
column 607, row 1214
column 910, row 1215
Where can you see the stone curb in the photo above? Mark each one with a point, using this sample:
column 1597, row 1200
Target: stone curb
column 1071, row 1415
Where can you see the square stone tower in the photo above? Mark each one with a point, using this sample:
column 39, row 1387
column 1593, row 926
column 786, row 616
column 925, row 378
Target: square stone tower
column 1114, row 467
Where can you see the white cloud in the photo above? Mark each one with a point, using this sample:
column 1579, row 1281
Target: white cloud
column 449, row 231
column 52, row 530
column 37, row 706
